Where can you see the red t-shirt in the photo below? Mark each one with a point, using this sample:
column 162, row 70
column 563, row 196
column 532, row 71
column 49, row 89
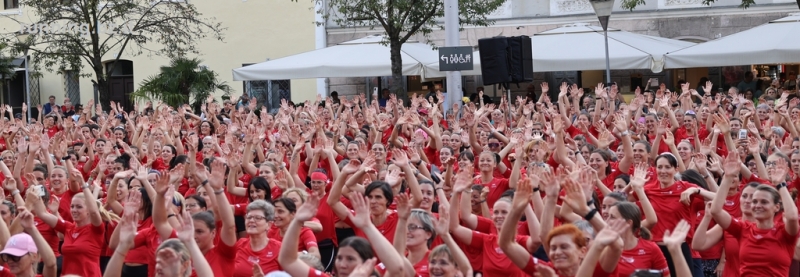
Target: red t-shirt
column 307, row 238
column 731, row 249
column 63, row 206
column 267, row 258
column 50, row 235
column 495, row 262
column 221, row 259
column 326, row 217
column 81, row 249
column 645, row 255
column 667, row 205
column 315, row 273
column 387, row 229
column 496, row 189
column 763, row 252
column 141, row 254
column 420, row 268
column 150, row 240
column 681, row 134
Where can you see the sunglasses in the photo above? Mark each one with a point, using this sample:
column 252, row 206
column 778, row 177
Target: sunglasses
column 6, row 258
column 494, row 145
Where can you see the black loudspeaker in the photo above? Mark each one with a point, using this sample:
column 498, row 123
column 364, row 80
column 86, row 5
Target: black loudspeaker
column 506, row 60
column 494, row 60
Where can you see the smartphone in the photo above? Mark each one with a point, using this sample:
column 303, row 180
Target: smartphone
column 654, row 82
column 375, row 91
column 742, row 134
column 39, row 189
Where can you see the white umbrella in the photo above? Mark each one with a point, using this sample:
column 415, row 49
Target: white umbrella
column 581, row 47
column 773, row 43
column 357, row 58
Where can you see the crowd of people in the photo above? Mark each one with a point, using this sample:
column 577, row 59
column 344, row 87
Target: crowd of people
column 682, row 183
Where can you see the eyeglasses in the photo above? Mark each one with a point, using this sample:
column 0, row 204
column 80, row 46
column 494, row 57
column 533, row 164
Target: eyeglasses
column 412, row 227
column 192, row 205
column 255, row 217
column 771, row 164
column 751, row 164
column 7, row 257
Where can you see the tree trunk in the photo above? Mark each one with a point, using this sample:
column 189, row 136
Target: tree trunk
column 396, row 85
column 103, row 92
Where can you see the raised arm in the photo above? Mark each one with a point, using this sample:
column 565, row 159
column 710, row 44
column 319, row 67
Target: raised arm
column 216, row 184
column 517, row 253
column 288, row 254
column 383, row 249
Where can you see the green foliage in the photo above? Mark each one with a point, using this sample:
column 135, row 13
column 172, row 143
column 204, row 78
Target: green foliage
column 632, row 4
column 116, row 28
column 184, row 80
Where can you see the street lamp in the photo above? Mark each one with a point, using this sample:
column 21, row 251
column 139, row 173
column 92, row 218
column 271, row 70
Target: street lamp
column 25, row 39
column 603, row 10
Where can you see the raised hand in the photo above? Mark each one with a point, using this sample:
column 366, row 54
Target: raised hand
column 403, row 205
column 308, row 210
column 677, row 236
column 523, row 194
column 361, row 218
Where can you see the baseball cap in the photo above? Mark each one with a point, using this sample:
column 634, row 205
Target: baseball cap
column 19, row 245
column 18, row 116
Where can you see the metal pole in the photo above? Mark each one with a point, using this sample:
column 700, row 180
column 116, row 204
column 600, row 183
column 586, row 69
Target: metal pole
column 608, row 64
column 454, row 93
column 28, row 84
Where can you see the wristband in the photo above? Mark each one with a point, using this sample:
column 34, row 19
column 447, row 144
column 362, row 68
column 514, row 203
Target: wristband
column 780, row 186
column 218, row 192
column 590, row 203
column 84, row 187
column 590, row 215
column 536, row 189
column 171, row 215
column 205, row 182
column 65, row 158
column 15, row 192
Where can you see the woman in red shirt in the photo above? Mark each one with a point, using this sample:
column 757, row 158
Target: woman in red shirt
column 353, row 251
column 766, row 247
column 22, row 251
column 664, row 193
column 415, row 233
column 257, row 248
column 638, row 251
column 82, row 239
column 705, row 239
column 285, row 209
column 497, row 186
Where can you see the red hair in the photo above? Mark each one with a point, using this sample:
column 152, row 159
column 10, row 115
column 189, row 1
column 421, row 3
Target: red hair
column 567, row 229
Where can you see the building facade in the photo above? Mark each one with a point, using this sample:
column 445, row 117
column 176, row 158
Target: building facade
column 256, row 31
column 688, row 20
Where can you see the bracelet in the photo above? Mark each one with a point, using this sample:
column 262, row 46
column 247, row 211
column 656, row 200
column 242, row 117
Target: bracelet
column 205, row 182
column 536, row 189
column 84, row 187
column 780, row 186
column 590, row 203
column 438, row 188
column 171, row 215
column 65, row 158
column 590, row 215
column 15, row 192
column 218, row 192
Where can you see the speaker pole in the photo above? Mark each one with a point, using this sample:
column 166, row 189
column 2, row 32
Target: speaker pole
column 508, row 102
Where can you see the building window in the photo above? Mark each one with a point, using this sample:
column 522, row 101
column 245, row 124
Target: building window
column 269, row 92
column 72, row 86
column 11, row 4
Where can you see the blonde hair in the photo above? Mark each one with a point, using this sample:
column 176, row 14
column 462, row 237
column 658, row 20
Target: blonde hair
column 106, row 215
column 179, row 248
column 303, row 194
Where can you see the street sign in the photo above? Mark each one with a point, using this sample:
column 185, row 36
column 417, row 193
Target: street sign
column 455, row 58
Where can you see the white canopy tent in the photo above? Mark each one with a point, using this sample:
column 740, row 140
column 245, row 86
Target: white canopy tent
column 773, row 43
column 355, row 58
column 580, row 47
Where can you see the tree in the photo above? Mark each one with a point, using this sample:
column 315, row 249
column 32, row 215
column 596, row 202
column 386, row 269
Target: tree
column 71, row 33
column 401, row 19
column 184, row 80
